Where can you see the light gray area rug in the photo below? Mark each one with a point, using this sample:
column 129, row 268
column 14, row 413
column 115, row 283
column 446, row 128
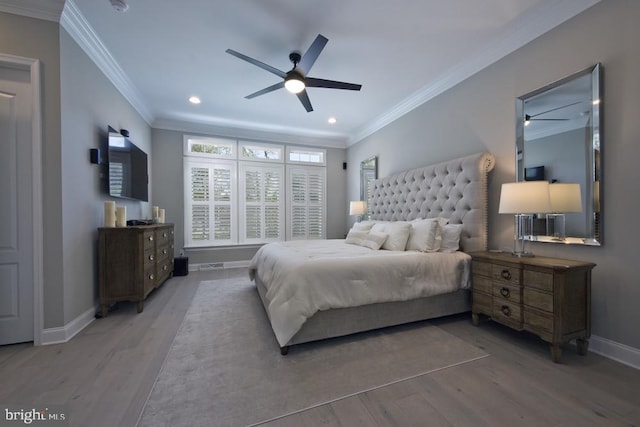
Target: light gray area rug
column 225, row 369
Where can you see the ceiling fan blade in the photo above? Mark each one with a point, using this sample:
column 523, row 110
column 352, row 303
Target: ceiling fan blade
column 257, row 63
column 304, row 98
column 331, row 84
column 266, row 90
column 310, row 56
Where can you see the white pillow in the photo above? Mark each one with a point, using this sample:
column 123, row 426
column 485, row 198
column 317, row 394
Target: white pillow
column 362, row 226
column 374, row 240
column 451, row 237
column 368, row 239
column 425, row 236
column 398, row 232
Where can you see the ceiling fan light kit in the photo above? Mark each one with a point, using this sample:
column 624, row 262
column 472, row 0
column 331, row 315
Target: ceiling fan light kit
column 296, row 80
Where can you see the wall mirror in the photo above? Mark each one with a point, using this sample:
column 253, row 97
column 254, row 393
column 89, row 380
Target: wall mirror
column 368, row 173
column 559, row 139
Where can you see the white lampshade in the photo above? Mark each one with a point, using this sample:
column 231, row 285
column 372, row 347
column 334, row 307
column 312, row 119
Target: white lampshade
column 525, row 197
column 357, row 207
column 565, row 197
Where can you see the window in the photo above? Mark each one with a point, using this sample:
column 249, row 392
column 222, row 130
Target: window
column 236, row 192
column 306, row 202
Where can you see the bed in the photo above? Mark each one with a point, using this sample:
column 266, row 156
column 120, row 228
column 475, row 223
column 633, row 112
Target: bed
column 317, row 289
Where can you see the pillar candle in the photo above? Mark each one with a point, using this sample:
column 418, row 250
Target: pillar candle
column 121, row 216
column 109, row 213
column 154, row 214
column 161, row 216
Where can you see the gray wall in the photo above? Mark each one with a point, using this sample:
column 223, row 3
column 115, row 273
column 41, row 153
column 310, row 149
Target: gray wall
column 37, row 39
column 479, row 114
column 168, row 193
column 89, row 103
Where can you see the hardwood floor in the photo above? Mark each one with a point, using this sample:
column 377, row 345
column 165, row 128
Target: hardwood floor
column 103, row 376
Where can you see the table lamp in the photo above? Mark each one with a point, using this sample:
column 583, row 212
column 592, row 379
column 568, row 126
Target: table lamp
column 357, row 207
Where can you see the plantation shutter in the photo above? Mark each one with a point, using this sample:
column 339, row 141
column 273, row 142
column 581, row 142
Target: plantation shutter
column 209, row 203
column 262, row 202
column 307, row 202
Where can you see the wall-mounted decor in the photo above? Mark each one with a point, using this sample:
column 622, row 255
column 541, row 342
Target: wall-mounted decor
column 368, row 174
column 559, row 140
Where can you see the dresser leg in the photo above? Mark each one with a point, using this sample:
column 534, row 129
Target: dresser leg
column 475, row 319
column 556, row 352
column 140, row 306
column 583, row 346
column 104, row 309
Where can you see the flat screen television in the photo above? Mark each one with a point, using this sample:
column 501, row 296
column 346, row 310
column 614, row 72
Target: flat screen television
column 535, row 173
column 128, row 175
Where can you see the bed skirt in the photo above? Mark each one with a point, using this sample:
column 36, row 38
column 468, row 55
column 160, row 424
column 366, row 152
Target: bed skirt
column 345, row 321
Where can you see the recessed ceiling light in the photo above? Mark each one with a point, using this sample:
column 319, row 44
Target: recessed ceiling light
column 194, row 100
column 119, row 5
column 332, row 120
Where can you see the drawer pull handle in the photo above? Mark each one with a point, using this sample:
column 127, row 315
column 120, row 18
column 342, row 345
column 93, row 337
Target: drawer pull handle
column 151, row 276
column 150, row 257
column 151, row 238
column 506, row 310
column 164, row 234
column 164, row 267
column 504, row 292
column 506, row 274
column 164, row 251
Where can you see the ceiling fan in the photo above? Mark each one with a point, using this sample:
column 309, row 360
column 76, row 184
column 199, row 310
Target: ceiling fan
column 296, row 80
column 528, row 118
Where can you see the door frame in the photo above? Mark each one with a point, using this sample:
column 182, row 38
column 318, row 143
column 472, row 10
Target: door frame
column 33, row 67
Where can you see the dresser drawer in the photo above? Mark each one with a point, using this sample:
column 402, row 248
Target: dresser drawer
column 149, row 240
column 481, row 283
column 164, row 236
column 481, row 268
column 149, row 259
column 508, row 292
column 164, row 252
column 537, row 299
column 537, row 321
column 507, row 312
column 506, row 274
column 539, row 280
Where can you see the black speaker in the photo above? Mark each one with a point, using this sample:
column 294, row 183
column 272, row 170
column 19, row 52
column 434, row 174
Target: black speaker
column 181, row 266
column 94, row 156
column 344, row 165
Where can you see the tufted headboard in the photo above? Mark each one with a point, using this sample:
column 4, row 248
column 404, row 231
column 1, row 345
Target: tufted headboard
column 456, row 189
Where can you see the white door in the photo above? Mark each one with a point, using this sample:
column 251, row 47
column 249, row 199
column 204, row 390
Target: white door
column 16, row 207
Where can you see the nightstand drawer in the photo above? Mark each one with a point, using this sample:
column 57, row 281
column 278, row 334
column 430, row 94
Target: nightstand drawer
column 505, row 311
column 481, row 268
column 506, row 274
column 508, row 292
column 539, row 280
column 537, row 299
column 482, row 284
column 482, row 303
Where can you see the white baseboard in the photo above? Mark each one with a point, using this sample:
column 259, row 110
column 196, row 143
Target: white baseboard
column 68, row 331
column 613, row 350
column 218, row 265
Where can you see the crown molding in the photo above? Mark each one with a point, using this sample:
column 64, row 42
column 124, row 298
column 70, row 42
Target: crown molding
column 81, row 31
column 521, row 32
column 244, row 130
column 48, row 10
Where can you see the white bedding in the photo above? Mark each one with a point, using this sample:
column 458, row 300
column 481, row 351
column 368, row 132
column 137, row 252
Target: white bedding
column 303, row 277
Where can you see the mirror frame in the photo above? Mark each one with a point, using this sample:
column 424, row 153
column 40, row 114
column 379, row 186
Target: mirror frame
column 594, row 203
column 368, row 173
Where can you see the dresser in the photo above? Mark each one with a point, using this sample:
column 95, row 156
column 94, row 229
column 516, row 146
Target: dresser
column 133, row 261
column 549, row 297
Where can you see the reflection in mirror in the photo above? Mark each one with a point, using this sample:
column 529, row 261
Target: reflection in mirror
column 558, row 139
column 368, row 174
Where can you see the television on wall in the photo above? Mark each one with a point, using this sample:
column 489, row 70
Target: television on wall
column 128, row 174
column 535, row 173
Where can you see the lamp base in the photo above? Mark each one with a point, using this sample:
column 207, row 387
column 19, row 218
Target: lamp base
column 523, row 254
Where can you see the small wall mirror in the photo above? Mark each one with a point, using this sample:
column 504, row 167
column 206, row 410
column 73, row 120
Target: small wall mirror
column 368, row 174
column 559, row 139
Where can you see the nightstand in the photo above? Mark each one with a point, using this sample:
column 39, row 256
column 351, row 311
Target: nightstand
column 549, row 297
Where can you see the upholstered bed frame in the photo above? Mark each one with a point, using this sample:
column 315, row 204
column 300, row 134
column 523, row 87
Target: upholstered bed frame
column 456, row 189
